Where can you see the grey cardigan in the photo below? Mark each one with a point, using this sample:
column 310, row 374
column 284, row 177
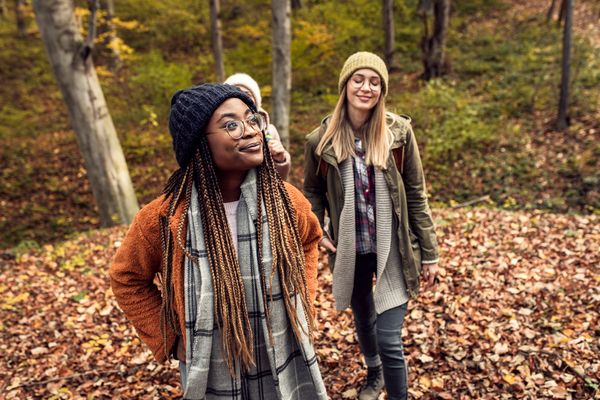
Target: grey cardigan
column 390, row 290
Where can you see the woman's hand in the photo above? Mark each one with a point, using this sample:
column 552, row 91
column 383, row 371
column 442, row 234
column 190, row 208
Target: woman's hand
column 326, row 244
column 428, row 274
column 277, row 151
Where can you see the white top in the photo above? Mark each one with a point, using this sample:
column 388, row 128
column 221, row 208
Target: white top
column 231, row 213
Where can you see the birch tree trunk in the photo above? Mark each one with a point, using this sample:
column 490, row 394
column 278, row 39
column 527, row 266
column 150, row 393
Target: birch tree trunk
column 388, row 27
column 217, row 42
column 433, row 47
column 282, row 68
column 91, row 121
column 562, row 121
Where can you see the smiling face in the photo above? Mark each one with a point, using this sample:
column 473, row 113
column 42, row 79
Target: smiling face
column 363, row 90
column 233, row 155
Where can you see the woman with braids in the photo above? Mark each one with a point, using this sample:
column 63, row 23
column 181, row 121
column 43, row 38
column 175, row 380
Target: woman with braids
column 235, row 251
column 362, row 166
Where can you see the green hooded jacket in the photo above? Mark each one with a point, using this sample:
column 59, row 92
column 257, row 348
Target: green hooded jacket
column 416, row 232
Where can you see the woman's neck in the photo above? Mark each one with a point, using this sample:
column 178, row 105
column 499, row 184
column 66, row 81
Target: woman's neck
column 231, row 185
column 358, row 118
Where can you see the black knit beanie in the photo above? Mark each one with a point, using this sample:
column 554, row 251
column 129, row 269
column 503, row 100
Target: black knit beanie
column 191, row 110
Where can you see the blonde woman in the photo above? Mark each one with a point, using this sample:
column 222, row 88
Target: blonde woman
column 362, row 167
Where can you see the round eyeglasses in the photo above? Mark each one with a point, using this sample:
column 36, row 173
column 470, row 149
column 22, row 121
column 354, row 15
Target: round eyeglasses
column 358, row 82
column 236, row 129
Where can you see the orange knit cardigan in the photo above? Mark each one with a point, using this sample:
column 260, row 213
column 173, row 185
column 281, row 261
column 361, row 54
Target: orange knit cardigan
column 139, row 258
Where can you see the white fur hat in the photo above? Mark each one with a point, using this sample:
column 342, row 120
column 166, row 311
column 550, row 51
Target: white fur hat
column 245, row 80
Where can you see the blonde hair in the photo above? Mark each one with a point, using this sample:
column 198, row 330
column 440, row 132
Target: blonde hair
column 340, row 134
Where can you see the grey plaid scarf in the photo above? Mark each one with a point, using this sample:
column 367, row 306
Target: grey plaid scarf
column 284, row 369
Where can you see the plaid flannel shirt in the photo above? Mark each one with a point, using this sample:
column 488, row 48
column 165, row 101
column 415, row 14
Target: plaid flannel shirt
column 366, row 232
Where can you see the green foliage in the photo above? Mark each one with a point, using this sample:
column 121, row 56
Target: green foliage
column 585, row 78
column 177, row 26
column 155, row 80
column 477, row 7
column 326, row 33
column 247, row 49
column 458, row 125
column 25, row 246
column 581, row 171
column 11, row 120
column 408, row 32
column 29, row 97
column 82, row 295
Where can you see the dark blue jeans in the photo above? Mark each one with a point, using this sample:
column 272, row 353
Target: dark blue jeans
column 182, row 375
column 379, row 334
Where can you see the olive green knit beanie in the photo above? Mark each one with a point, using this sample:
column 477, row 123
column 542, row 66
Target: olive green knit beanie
column 363, row 59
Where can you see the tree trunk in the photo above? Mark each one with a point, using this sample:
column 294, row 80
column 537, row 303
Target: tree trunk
column 433, row 47
column 91, row 121
column 3, row 9
column 296, row 4
column 111, row 37
column 561, row 13
column 282, row 68
column 388, row 27
column 550, row 12
column 20, row 17
column 562, row 121
column 217, row 43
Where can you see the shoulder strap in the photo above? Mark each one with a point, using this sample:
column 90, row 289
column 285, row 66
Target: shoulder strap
column 399, row 158
column 398, row 152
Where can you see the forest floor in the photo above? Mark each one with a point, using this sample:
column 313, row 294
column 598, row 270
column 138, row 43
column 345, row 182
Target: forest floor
column 515, row 314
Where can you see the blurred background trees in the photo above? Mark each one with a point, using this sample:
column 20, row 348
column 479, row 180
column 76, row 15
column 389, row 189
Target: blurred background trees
column 389, row 34
column 562, row 122
column 433, row 41
column 281, row 67
column 486, row 126
column 217, row 41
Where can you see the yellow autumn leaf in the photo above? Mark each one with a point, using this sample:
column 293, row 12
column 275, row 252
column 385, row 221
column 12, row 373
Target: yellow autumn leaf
column 437, row 383
column 509, row 378
column 568, row 332
column 12, row 300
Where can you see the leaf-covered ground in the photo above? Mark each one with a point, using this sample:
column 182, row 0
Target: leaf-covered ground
column 514, row 315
